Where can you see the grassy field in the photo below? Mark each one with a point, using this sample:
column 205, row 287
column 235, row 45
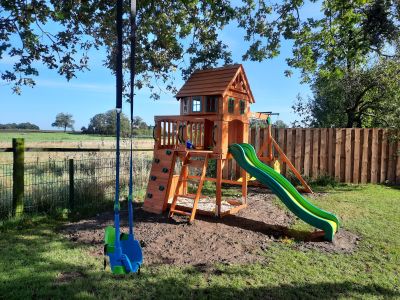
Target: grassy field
column 37, row 262
column 66, row 140
column 51, row 137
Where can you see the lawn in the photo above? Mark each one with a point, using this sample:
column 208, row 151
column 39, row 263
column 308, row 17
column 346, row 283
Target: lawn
column 38, row 262
column 31, row 137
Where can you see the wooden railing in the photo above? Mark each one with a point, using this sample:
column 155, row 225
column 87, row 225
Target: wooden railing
column 171, row 131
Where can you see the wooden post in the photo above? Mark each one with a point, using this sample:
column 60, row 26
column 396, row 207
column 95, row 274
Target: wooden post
column 71, row 184
column 18, row 176
column 270, row 153
column 218, row 187
column 244, row 186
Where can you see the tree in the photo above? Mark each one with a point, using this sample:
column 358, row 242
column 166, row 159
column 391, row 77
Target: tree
column 105, row 124
column 60, row 35
column 338, row 45
column 25, row 125
column 139, row 123
column 64, row 120
column 366, row 98
column 279, row 124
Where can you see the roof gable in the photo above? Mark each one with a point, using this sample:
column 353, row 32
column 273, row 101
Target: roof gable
column 216, row 81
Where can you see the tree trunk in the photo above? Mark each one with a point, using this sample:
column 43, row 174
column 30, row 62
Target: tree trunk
column 350, row 118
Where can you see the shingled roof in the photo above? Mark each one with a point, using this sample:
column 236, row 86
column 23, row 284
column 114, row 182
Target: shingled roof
column 213, row 82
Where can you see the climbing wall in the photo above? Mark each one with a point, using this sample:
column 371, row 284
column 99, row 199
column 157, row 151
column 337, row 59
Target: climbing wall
column 159, row 181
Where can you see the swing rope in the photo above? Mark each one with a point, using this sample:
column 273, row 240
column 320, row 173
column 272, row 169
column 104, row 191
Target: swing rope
column 119, row 87
column 124, row 252
column 131, row 98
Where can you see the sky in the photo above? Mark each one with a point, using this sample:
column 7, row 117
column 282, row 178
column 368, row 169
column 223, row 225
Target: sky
column 93, row 91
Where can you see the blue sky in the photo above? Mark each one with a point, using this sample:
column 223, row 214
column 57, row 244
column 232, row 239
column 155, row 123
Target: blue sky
column 93, row 91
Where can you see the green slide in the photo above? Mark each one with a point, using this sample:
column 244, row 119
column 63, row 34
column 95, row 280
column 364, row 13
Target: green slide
column 246, row 157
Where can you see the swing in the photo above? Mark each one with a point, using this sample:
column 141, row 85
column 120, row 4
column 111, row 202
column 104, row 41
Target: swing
column 124, row 252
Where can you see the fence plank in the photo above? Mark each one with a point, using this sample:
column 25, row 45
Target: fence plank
column 281, row 142
column 391, row 174
column 384, row 157
column 307, row 152
column 348, row 158
column 323, row 162
column 297, row 152
column 338, row 150
column 374, row 156
column 398, row 163
column 331, row 152
column 289, row 146
column 356, row 161
column 379, row 156
column 315, row 160
column 364, row 162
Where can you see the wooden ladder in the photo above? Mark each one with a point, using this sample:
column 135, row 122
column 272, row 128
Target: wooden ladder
column 187, row 161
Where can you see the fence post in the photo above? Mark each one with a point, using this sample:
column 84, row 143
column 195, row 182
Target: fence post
column 18, row 176
column 71, row 183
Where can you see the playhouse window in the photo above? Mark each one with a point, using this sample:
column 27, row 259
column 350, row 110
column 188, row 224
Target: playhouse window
column 231, row 105
column 185, row 105
column 196, row 104
column 242, row 107
column 211, row 104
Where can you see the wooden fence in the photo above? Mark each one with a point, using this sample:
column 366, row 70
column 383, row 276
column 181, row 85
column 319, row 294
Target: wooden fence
column 354, row 155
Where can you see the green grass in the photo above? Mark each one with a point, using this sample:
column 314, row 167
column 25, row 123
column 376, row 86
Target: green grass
column 51, row 137
column 36, row 262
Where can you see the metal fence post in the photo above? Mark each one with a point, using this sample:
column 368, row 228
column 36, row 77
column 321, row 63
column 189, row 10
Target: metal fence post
column 18, row 176
column 71, row 184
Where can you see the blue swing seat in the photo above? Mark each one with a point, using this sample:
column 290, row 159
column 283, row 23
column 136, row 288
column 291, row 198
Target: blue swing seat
column 128, row 258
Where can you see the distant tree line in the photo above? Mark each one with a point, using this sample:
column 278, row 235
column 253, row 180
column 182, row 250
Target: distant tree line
column 25, row 125
column 105, row 124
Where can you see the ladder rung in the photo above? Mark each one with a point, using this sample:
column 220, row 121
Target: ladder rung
column 181, row 212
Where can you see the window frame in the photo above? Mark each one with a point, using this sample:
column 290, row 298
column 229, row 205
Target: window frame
column 231, row 105
column 196, row 98
column 185, row 104
column 242, row 106
column 214, row 100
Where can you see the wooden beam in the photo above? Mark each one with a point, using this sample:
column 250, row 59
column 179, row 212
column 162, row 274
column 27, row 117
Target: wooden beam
column 290, row 165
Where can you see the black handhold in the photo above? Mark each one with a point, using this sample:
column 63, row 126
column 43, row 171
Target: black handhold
column 150, row 195
column 168, row 152
column 161, row 188
column 165, row 170
column 156, row 160
column 153, row 178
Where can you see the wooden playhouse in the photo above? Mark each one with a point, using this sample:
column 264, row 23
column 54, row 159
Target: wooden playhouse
column 214, row 113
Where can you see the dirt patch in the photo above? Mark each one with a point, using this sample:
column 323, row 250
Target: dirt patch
column 66, row 277
column 238, row 239
column 345, row 242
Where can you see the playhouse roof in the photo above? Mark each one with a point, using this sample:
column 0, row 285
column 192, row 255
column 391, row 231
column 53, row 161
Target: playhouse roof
column 215, row 82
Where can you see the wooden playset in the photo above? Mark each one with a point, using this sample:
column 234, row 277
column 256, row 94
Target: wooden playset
column 214, row 113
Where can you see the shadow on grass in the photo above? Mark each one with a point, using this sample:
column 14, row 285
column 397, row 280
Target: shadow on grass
column 392, row 186
column 37, row 263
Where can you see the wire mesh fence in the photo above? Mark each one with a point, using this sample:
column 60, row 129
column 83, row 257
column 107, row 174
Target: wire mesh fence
column 85, row 184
